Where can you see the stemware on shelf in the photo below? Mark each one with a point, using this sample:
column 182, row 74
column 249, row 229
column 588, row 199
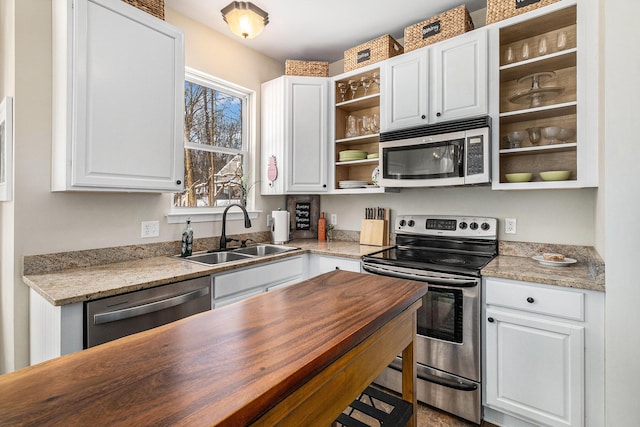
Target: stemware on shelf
column 352, row 127
column 353, row 85
column 525, row 51
column 534, row 135
column 375, row 123
column 561, row 42
column 366, row 125
column 550, row 133
column 542, row 46
column 566, row 134
column 376, row 79
column 509, row 56
column 366, row 82
column 342, row 87
column 516, row 138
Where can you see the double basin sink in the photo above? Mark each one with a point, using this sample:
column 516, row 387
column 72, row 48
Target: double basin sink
column 238, row 254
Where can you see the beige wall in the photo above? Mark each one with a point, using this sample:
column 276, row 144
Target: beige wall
column 47, row 222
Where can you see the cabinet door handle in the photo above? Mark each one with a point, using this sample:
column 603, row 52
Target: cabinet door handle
column 438, row 114
column 178, row 182
column 530, row 300
column 490, row 320
column 423, row 117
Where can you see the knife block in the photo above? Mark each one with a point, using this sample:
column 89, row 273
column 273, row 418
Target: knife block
column 374, row 232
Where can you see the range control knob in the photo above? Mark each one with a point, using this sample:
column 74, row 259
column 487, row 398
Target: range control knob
column 474, row 226
column 463, row 225
column 411, row 223
column 485, row 226
column 403, row 223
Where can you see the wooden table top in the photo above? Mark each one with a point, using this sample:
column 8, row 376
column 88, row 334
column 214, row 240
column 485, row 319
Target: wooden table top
column 227, row 366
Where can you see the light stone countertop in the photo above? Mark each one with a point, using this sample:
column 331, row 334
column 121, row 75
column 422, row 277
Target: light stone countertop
column 81, row 284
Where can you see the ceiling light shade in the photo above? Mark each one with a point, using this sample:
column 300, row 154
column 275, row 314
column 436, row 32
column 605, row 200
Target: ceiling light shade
column 245, row 19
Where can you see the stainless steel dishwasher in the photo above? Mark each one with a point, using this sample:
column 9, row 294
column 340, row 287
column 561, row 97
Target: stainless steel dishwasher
column 114, row 317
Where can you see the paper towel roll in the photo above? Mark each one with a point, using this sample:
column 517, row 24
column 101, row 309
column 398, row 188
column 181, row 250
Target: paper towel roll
column 280, row 229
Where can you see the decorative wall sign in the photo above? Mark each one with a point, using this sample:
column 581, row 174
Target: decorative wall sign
column 304, row 212
column 6, row 149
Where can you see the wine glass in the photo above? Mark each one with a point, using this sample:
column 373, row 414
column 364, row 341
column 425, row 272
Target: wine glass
column 534, row 135
column 525, row 50
column 509, row 56
column 562, row 40
column 353, row 85
column 375, row 123
column 551, row 133
column 565, row 134
column 542, row 46
column 366, row 82
column 515, row 138
column 352, row 127
column 342, row 87
column 366, row 125
column 376, row 79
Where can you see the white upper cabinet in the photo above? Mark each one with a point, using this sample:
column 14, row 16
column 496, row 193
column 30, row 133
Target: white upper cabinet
column 294, row 135
column 459, row 77
column 118, row 98
column 404, row 98
column 445, row 81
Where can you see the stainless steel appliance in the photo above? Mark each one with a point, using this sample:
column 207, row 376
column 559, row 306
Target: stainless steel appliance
column 448, row 252
column 114, row 317
column 443, row 154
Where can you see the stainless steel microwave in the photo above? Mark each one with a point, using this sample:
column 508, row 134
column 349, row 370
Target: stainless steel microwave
column 444, row 154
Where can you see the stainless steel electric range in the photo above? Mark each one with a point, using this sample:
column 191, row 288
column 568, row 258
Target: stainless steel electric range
column 448, row 252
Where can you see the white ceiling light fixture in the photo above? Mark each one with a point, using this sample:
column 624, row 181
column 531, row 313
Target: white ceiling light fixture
column 245, row 19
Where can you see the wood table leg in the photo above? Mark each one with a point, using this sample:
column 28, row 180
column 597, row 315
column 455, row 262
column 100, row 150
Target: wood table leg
column 409, row 378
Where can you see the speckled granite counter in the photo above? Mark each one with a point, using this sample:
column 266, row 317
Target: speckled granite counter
column 79, row 284
column 515, row 262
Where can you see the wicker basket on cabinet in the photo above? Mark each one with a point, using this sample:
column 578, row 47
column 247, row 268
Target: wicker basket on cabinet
column 497, row 10
column 384, row 47
column 306, row 68
column 440, row 27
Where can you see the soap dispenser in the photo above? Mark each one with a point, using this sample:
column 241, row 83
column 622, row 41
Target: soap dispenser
column 187, row 240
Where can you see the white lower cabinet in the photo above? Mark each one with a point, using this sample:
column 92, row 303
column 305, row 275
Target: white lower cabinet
column 544, row 353
column 319, row 264
column 243, row 283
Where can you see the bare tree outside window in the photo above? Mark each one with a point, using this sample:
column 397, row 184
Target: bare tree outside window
column 215, row 147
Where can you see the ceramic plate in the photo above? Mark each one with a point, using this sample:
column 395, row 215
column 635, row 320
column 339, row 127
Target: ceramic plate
column 566, row 262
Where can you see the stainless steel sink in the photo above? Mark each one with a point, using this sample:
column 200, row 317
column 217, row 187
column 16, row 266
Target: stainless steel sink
column 215, row 258
column 239, row 254
column 263, row 250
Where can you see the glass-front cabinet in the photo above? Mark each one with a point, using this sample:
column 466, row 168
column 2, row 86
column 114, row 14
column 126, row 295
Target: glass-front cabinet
column 547, row 75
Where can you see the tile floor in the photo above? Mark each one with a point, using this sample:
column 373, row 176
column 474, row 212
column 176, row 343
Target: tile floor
column 431, row 417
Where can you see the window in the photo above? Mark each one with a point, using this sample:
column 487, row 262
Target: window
column 216, row 129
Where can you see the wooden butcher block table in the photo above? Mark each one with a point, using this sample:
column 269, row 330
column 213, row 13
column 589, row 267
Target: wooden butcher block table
column 295, row 356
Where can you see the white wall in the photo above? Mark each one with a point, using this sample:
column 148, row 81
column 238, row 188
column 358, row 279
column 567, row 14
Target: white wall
column 48, row 222
column 564, row 217
column 622, row 211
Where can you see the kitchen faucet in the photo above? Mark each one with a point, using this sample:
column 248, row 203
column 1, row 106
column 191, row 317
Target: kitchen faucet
column 223, row 237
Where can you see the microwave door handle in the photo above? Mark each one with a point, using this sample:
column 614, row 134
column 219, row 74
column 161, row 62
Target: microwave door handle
column 126, row 313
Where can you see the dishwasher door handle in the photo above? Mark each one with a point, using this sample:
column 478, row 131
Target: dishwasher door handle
column 126, row 313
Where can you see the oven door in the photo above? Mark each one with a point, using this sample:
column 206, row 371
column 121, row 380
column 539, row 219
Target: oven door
column 448, row 321
column 423, row 161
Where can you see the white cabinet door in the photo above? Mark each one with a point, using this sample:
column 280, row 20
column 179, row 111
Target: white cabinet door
column 319, row 264
column 404, row 97
column 308, row 139
column 459, row 77
column 294, row 135
column 535, row 368
column 118, row 98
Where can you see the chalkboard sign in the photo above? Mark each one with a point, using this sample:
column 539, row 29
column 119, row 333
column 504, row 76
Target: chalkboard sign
column 431, row 29
column 304, row 213
column 523, row 3
column 303, row 216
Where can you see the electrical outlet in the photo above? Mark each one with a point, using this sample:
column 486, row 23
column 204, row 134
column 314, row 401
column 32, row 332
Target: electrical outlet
column 150, row 229
column 334, row 219
column 510, row 226
column 269, row 220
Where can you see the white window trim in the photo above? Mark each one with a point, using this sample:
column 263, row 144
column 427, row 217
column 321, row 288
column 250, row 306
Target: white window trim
column 210, row 214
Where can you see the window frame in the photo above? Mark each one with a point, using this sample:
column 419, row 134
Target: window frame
column 247, row 96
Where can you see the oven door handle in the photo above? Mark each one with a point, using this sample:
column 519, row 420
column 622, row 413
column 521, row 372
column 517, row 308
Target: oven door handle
column 126, row 313
column 434, row 280
column 450, row 382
